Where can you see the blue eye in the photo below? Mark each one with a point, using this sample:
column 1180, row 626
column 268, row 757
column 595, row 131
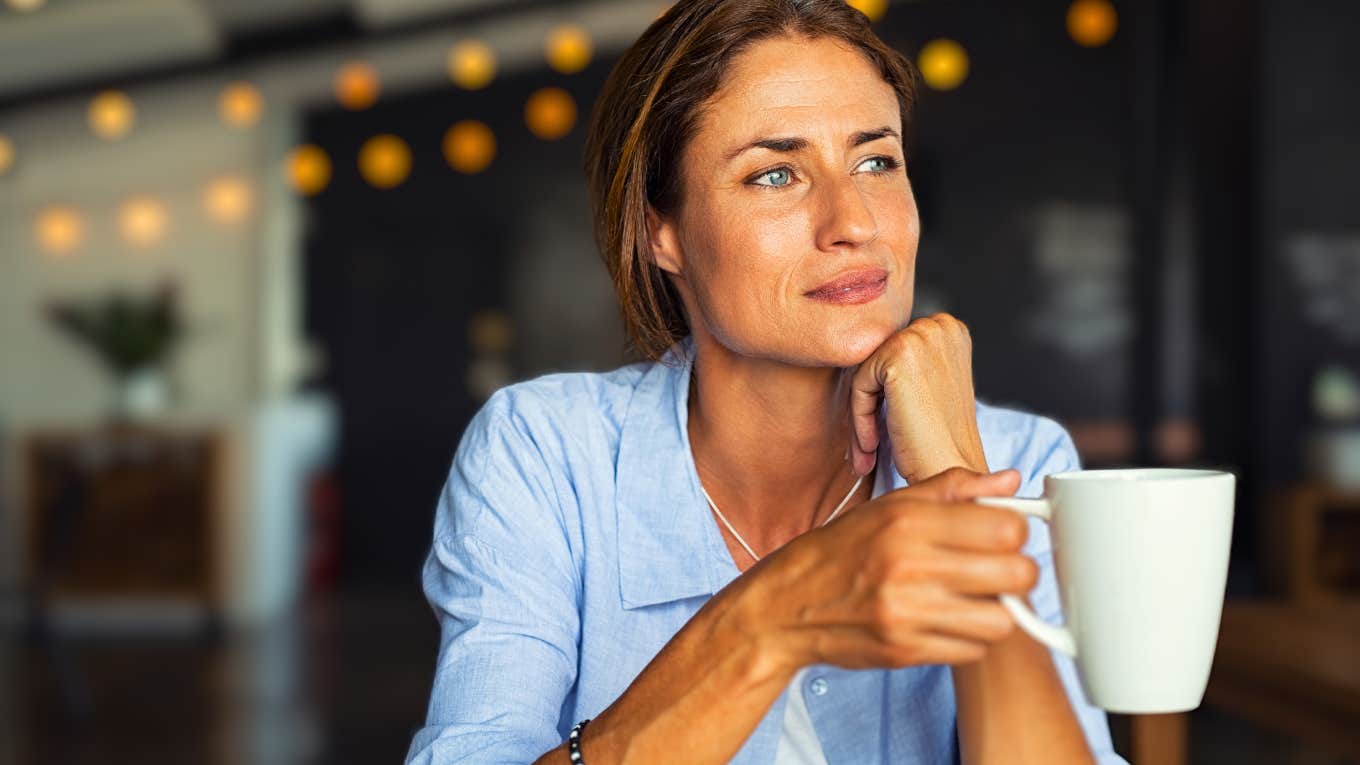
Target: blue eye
column 889, row 163
column 775, row 172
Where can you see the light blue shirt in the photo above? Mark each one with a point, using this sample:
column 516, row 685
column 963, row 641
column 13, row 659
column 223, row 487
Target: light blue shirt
column 572, row 542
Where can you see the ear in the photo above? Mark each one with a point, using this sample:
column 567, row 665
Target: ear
column 663, row 242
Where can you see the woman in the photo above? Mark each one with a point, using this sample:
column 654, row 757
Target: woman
column 650, row 548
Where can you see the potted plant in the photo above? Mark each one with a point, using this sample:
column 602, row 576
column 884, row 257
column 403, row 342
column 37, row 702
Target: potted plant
column 133, row 336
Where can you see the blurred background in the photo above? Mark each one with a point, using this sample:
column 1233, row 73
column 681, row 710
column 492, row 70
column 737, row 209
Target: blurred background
column 261, row 260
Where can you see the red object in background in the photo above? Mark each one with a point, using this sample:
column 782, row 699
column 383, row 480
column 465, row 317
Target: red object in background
column 323, row 532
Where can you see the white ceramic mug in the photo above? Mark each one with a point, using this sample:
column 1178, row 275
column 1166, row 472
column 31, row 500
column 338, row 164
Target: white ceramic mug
column 1141, row 557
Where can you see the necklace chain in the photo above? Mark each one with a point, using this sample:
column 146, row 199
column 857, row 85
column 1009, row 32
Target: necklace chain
column 742, row 542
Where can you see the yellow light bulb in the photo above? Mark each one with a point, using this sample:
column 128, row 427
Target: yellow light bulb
column 143, row 221
column 6, row 154
column 240, row 105
column 550, row 113
column 569, row 48
column 308, row 169
column 384, row 161
column 943, row 64
column 874, row 9
column 59, row 230
column 357, row 85
column 228, row 200
column 472, row 65
column 1091, row 23
column 111, row 114
column 469, row 146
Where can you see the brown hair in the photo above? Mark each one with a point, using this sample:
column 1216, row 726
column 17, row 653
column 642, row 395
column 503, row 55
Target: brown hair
column 647, row 113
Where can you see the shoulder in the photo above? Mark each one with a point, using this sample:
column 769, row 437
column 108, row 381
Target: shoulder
column 1031, row 443
column 564, row 406
column 521, row 460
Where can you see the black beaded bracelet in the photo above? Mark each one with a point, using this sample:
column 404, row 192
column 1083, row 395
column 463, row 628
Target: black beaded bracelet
column 574, row 742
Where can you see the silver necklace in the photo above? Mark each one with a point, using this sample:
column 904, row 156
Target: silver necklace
column 742, row 542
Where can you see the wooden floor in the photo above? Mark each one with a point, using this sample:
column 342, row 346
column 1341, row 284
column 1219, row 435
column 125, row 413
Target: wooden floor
column 344, row 682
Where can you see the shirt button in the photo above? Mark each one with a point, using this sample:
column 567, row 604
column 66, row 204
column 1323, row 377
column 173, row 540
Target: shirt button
column 818, row 687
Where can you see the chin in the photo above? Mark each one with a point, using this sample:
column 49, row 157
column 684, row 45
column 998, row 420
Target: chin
column 845, row 347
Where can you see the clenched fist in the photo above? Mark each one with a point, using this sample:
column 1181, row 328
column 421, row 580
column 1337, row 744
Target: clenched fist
column 925, row 372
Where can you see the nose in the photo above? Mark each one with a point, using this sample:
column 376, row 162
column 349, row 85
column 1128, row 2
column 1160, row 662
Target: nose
column 846, row 219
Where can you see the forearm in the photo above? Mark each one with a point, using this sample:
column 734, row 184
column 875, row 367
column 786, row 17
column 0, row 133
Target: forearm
column 697, row 701
column 1012, row 708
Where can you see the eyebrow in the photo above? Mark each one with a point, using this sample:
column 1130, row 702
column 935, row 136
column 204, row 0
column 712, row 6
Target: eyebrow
column 796, row 143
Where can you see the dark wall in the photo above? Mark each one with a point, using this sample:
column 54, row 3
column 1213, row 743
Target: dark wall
column 393, row 277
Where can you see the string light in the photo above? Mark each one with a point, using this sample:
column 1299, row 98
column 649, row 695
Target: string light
column 111, row 114
column 308, row 169
column 943, row 64
column 240, row 105
column 143, row 221
column 384, row 161
column 59, row 230
column 472, row 65
column 228, row 200
column 469, row 146
column 357, row 86
column 874, row 9
column 568, row 48
column 550, row 113
column 1091, row 23
column 6, row 154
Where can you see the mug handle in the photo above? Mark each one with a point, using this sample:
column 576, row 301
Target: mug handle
column 1058, row 638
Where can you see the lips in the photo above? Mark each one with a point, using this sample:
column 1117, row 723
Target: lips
column 870, row 280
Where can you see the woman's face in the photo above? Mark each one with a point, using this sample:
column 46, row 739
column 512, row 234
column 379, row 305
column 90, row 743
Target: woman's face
column 763, row 229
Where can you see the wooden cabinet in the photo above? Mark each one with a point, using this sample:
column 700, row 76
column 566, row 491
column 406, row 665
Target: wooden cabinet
column 122, row 512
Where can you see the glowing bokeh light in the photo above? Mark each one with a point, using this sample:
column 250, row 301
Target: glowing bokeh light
column 308, row 169
column 469, row 146
column 1092, row 23
column 384, row 161
column 472, row 65
column 568, row 48
column 228, row 199
column 550, row 113
column 490, row 332
column 943, row 64
column 111, row 114
column 59, row 230
column 24, row 6
column 143, row 221
column 6, row 154
column 874, row 9
column 357, row 86
column 240, row 105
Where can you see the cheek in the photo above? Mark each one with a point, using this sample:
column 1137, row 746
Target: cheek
column 746, row 253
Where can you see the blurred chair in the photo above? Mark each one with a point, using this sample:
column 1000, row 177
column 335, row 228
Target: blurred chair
column 1293, row 664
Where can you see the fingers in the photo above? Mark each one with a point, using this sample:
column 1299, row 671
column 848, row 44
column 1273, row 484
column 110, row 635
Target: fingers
column 984, row 574
column 979, row 528
column 962, row 485
column 866, row 392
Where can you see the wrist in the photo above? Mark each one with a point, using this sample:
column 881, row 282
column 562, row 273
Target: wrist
column 750, row 628
column 929, row 467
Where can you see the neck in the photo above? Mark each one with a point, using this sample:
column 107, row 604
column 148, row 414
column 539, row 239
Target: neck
column 769, row 441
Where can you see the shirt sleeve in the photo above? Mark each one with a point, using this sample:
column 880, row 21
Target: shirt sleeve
column 1058, row 454
column 503, row 585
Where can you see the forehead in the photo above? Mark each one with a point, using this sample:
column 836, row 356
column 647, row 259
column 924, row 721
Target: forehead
column 796, row 85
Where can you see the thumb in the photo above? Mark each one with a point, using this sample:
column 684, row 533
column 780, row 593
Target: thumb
column 1002, row 483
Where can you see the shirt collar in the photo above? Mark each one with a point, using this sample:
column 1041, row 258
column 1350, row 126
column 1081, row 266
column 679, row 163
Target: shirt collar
column 664, row 527
column 663, row 554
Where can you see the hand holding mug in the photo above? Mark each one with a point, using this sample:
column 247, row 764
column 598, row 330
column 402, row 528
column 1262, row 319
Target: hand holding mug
column 911, row 577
